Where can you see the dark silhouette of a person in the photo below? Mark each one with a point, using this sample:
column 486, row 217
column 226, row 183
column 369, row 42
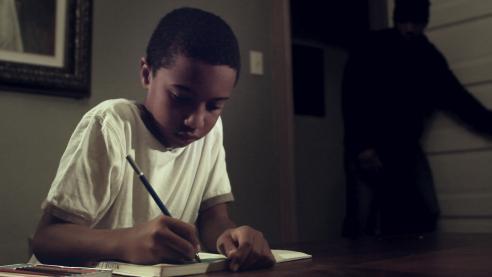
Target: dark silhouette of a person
column 393, row 83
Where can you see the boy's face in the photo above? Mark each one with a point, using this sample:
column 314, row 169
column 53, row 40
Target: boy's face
column 187, row 98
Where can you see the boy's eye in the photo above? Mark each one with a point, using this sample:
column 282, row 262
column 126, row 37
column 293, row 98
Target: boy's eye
column 214, row 106
column 179, row 98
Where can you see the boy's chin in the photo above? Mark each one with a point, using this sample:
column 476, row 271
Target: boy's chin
column 179, row 143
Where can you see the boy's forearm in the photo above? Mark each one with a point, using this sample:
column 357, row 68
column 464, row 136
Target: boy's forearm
column 71, row 244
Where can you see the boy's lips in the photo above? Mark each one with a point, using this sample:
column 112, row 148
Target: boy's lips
column 186, row 137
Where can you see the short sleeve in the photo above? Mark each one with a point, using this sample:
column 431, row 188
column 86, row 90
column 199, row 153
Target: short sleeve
column 89, row 175
column 218, row 187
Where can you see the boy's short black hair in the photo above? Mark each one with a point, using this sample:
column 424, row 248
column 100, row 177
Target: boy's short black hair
column 195, row 34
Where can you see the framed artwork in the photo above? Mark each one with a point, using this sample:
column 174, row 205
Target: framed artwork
column 45, row 46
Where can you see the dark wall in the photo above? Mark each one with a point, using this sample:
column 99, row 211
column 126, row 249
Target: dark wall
column 329, row 22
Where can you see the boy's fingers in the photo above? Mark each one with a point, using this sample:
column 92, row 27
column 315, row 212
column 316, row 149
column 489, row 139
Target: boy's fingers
column 270, row 256
column 253, row 250
column 245, row 248
column 186, row 231
column 227, row 246
column 240, row 257
column 256, row 260
column 266, row 257
column 177, row 243
column 170, row 235
column 262, row 263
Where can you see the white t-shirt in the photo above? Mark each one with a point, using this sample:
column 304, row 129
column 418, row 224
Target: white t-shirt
column 96, row 186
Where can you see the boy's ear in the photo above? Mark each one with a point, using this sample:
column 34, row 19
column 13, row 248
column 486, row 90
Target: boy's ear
column 145, row 73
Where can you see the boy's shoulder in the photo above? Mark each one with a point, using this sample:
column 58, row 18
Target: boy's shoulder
column 114, row 108
column 116, row 114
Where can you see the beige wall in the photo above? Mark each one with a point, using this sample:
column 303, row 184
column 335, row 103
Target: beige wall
column 36, row 128
column 319, row 172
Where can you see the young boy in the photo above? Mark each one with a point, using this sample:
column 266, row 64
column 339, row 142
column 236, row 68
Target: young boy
column 97, row 209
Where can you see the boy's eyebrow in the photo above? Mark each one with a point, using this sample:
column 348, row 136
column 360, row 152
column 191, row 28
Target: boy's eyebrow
column 221, row 98
column 181, row 87
column 189, row 90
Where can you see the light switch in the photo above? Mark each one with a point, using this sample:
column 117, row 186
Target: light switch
column 256, row 62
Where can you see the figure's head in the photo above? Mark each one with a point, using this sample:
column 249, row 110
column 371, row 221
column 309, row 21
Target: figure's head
column 411, row 17
column 191, row 67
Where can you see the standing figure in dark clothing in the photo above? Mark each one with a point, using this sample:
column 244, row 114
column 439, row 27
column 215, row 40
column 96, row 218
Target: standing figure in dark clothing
column 392, row 85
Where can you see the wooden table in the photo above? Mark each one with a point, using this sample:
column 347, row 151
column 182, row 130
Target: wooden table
column 430, row 255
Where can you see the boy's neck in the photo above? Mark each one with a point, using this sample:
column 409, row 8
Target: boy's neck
column 151, row 125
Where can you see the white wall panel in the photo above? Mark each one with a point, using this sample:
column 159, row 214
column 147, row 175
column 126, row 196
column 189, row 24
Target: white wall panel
column 464, row 41
column 446, row 12
column 466, row 205
column 463, row 182
column 474, row 71
column 466, row 225
column 455, row 177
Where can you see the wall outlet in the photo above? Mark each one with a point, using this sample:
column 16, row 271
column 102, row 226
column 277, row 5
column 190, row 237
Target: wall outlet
column 256, row 62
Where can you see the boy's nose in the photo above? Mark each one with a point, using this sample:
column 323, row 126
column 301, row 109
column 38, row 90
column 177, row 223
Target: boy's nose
column 196, row 119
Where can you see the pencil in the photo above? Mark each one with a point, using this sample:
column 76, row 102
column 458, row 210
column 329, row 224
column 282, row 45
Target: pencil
column 152, row 192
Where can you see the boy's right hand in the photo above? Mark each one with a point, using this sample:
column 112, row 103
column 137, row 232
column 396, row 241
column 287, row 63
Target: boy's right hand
column 161, row 239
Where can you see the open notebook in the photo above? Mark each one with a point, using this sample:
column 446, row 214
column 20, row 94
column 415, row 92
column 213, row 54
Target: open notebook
column 210, row 262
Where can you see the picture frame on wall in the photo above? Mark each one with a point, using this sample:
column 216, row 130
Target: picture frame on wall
column 45, row 46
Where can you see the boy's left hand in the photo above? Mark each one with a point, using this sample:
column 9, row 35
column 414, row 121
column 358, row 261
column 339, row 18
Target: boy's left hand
column 246, row 248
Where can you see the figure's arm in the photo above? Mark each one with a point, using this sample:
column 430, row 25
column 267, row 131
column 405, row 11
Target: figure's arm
column 245, row 247
column 466, row 107
column 163, row 238
column 454, row 98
